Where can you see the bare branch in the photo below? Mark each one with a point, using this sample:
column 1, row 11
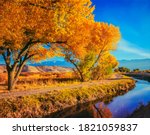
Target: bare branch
column 78, row 69
column 38, row 5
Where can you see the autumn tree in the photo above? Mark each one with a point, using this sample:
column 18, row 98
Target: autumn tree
column 97, row 39
column 105, row 66
column 32, row 29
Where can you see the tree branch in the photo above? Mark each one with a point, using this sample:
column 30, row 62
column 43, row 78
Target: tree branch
column 21, row 65
column 7, row 58
column 81, row 76
column 98, row 57
column 25, row 49
column 38, row 5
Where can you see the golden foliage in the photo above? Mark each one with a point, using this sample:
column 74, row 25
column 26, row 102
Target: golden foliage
column 42, row 21
column 91, row 41
column 33, row 29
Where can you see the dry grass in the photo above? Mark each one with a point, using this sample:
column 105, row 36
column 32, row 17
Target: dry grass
column 3, row 81
column 3, row 78
column 30, row 81
column 45, row 80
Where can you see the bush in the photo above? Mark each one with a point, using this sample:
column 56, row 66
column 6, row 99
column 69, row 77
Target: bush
column 136, row 70
column 122, row 69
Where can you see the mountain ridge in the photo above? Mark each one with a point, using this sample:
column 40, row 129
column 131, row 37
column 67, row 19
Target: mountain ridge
column 141, row 64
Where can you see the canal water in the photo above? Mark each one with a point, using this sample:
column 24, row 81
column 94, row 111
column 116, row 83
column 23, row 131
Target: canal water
column 119, row 107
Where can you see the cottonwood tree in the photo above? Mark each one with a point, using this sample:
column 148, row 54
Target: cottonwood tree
column 97, row 38
column 32, row 29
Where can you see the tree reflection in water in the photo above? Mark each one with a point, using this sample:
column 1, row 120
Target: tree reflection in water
column 83, row 111
column 101, row 111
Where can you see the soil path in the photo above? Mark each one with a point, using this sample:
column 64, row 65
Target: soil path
column 45, row 90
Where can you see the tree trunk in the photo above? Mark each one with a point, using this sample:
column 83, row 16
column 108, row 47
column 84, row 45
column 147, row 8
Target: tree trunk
column 13, row 75
column 14, row 67
column 81, row 77
column 10, row 79
column 18, row 72
column 78, row 70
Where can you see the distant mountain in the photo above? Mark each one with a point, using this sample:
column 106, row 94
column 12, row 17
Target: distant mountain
column 142, row 64
column 61, row 63
column 39, row 69
column 53, row 63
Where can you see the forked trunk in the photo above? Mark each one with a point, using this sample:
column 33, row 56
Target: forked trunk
column 13, row 75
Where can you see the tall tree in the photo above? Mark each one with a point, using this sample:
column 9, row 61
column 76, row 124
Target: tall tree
column 93, row 41
column 32, row 29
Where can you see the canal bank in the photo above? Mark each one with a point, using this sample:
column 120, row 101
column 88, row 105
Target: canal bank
column 133, row 104
column 141, row 76
column 44, row 104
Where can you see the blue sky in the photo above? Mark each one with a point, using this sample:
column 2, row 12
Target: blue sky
column 133, row 19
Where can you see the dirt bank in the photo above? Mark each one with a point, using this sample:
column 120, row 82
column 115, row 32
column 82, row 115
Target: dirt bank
column 142, row 76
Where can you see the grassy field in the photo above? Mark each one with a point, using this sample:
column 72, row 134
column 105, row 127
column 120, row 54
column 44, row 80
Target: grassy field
column 30, row 81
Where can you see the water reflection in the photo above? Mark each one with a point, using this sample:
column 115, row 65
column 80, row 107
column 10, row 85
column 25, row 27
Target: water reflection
column 83, row 111
column 123, row 106
column 118, row 107
column 101, row 111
